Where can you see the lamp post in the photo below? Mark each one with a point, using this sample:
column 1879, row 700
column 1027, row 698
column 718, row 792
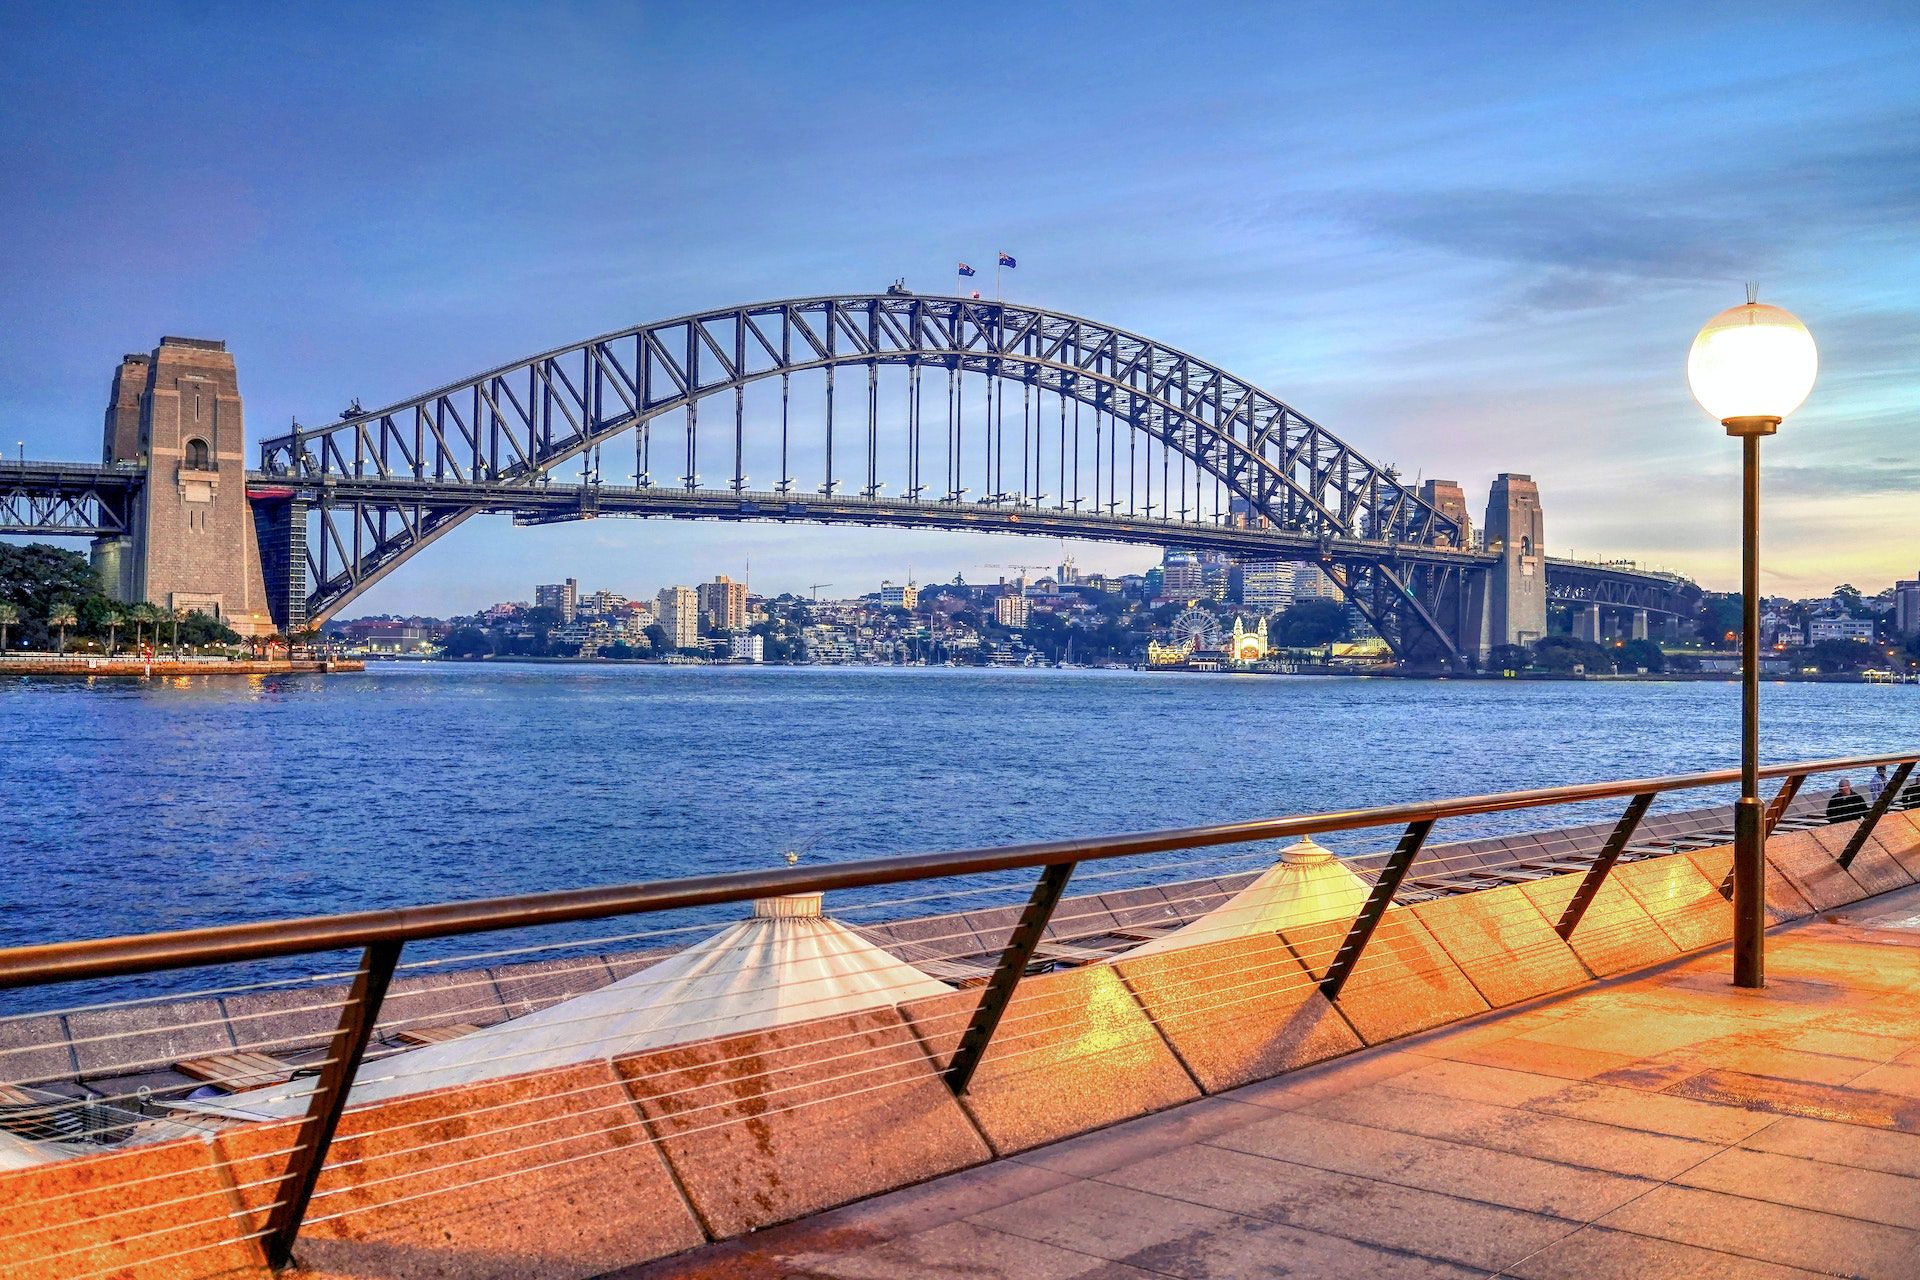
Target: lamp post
column 1750, row 367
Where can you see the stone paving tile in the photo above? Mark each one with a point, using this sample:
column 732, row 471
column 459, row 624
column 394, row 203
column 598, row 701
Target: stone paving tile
column 1095, row 1153
column 962, row 1251
column 1894, row 1077
column 1377, row 1213
column 1603, row 1104
column 1298, row 1088
column 1434, row 1164
column 1522, row 1053
column 1836, row 1143
column 1797, row 1098
column 1585, row 1143
column 1811, row 1184
column 1595, row 1253
column 1772, row 1232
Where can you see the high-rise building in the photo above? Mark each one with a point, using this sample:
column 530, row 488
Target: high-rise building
column 1181, row 577
column 562, row 597
column 723, row 603
column 905, row 597
column 1266, row 586
column 1310, row 582
column 1906, row 607
column 679, row 613
column 1012, row 610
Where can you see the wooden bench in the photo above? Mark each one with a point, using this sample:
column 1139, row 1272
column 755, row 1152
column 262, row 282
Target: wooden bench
column 238, row 1071
column 435, row 1035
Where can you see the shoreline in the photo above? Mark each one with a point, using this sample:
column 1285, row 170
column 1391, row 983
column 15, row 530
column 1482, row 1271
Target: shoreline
column 144, row 669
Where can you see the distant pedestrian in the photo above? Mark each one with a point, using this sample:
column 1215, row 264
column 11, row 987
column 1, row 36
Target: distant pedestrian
column 1846, row 804
column 1877, row 783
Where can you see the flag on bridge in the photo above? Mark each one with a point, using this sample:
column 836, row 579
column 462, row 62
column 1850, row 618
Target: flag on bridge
column 1006, row 260
column 965, row 270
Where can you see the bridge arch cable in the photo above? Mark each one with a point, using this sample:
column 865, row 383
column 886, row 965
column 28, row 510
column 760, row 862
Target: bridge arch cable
column 382, row 485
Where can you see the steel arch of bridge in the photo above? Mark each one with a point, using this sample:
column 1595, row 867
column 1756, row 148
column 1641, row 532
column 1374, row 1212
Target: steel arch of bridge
column 506, row 429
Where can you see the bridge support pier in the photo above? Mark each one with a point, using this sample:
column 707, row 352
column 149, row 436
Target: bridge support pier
column 1513, row 609
column 1587, row 625
column 1639, row 624
column 192, row 543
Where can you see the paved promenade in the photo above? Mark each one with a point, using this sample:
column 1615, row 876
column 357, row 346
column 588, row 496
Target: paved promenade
column 1658, row 1125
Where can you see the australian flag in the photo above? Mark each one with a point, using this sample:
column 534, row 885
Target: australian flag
column 1006, row 260
column 965, row 270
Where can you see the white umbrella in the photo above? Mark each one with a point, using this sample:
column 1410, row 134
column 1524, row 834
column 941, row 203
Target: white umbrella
column 1308, row 885
column 785, row 963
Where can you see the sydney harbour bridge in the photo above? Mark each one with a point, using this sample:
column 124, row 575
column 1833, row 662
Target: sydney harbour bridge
column 888, row 410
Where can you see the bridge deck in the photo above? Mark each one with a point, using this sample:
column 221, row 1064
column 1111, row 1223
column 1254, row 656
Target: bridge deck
column 1661, row 1124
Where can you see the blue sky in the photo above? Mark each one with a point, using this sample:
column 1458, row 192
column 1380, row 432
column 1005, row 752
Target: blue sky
column 1467, row 242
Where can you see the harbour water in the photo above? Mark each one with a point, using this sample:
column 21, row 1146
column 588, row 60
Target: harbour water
column 140, row 806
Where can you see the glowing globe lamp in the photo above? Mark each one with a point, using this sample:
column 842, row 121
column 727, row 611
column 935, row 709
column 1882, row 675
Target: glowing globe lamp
column 1752, row 364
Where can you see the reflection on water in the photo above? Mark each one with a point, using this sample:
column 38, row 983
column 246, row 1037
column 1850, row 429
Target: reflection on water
column 138, row 806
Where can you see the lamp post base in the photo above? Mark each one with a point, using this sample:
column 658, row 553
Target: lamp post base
column 1749, row 893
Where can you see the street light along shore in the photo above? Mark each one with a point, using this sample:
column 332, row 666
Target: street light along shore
column 1750, row 367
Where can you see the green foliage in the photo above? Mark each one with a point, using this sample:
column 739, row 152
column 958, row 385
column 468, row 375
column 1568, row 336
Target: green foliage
column 1639, row 654
column 199, row 629
column 1508, row 657
column 469, row 642
column 1718, row 619
column 1564, row 653
column 1309, row 624
column 1841, row 655
column 662, row 642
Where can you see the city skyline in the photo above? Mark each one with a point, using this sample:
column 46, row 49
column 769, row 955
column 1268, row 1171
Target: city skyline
column 1497, row 265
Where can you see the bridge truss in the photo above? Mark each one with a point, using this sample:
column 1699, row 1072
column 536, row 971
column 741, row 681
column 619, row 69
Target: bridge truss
column 1578, row 583
column 879, row 408
column 67, row 499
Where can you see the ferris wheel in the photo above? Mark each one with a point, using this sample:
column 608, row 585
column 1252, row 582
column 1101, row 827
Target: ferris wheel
column 1197, row 628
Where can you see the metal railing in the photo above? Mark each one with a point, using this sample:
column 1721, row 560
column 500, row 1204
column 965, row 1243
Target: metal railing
column 380, row 936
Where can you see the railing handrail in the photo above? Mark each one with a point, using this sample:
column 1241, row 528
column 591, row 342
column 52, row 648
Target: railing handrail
column 271, row 939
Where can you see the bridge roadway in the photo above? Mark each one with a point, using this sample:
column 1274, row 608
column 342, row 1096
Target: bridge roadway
column 1662, row 1124
column 71, row 498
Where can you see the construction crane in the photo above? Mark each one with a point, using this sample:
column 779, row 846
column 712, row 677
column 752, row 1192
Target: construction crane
column 815, row 589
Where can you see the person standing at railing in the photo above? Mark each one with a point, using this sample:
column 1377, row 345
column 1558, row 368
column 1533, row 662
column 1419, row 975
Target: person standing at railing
column 1876, row 784
column 1846, row 804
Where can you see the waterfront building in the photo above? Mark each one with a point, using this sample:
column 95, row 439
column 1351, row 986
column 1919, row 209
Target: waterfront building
column 723, row 603
column 1906, row 607
column 1012, row 610
column 1248, row 645
column 1266, row 586
column 904, row 596
column 1840, row 628
column 678, row 609
column 747, row 647
column 562, row 597
column 827, row 644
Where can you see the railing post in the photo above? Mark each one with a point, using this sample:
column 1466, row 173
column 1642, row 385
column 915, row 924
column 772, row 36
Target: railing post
column 1874, row 814
column 998, row 993
column 1777, row 807
column 1597, row 873
column 1376, row 906
column 1776, row 810
column 328, row 1100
